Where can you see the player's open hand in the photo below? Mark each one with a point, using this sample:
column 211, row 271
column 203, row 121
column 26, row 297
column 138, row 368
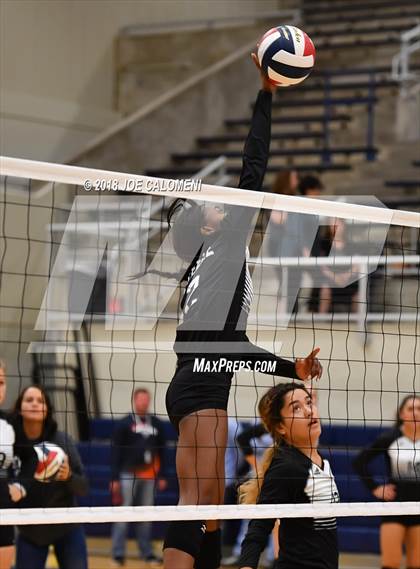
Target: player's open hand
column 16, row 492
column 309, row 367
column 267, row 85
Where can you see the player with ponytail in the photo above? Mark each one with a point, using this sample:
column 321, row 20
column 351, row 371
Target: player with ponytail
column 292, row 471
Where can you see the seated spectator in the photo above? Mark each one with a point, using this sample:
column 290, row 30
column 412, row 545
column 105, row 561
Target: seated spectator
column 34, row 423
column 311, row 187
column 284, row 238
column 339, row 294
column 137, row 461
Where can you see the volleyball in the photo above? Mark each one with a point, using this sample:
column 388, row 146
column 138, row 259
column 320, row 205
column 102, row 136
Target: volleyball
column 286, row 55
column 50, row 458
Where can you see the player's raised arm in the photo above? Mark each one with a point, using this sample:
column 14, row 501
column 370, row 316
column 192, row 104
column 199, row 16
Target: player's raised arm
column 257, row 145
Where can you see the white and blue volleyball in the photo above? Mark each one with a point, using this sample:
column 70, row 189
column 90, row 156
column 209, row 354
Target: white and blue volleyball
column 50, row 458
column 286, row 55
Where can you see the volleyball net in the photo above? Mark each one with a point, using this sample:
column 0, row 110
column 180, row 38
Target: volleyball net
column 327, row 272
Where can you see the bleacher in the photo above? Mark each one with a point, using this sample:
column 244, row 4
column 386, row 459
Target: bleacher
column 96, row 458
column 326, row 105
column 339, row 444
column 406, row 184
column 309, row 125
column 335, row 120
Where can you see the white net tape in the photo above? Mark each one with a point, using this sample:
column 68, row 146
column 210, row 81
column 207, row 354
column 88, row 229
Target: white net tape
column 60, row 173
column 168, row 513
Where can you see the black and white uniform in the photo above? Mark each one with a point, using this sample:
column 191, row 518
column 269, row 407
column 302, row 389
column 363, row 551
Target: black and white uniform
column 7, row 441
column 305, row 543
column 402, row 459
column 219, row 294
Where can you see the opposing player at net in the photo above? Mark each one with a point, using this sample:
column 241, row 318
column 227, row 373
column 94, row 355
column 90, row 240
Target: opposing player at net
column 213, row 239
column 292, row 472
column 10, row 491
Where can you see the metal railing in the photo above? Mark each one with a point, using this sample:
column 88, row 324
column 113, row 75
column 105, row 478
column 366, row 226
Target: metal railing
column 215, row 167
column 329, row 103
column 401, row 71
column 408, row 266
column 292, row 16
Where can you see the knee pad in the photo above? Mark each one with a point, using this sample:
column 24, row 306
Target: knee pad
column 186, row 536
column 211, row 551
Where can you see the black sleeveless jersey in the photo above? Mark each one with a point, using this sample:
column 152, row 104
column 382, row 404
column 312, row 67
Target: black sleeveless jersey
column 219, row 291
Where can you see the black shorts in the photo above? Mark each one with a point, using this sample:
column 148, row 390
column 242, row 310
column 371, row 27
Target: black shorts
column 7, row 536
column 406, row 521
column 191, row 391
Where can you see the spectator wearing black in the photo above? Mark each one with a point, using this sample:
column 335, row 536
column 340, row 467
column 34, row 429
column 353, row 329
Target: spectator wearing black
column 311, row 187
column 340, row 293
column 295, row 235
column 137, row 462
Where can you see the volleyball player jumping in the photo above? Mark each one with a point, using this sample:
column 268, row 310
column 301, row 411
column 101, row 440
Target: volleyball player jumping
column 213, row 240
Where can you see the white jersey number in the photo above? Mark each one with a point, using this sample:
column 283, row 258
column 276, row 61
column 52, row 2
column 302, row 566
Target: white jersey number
column 189, row 301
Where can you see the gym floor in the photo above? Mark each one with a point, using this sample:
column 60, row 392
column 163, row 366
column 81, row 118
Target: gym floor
column 100, row 557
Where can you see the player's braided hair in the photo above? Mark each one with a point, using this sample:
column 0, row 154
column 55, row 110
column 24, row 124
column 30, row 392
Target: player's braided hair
column 187, row 238
column 269, row 408
column 186, row 235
